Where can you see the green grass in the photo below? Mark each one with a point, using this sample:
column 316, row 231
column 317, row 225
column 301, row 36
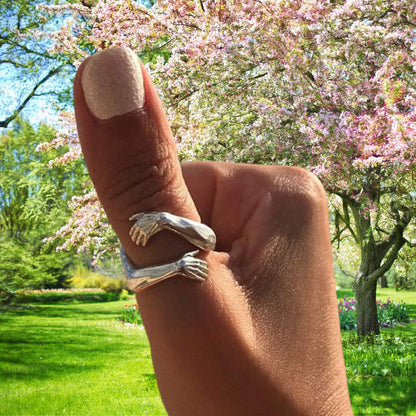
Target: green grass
column 385, row 293
column 77, row 359
column 382, row 372
column 74, row 359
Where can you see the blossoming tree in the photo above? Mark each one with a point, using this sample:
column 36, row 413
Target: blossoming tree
column 328, row 85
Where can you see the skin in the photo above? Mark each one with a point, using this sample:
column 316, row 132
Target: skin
column 260, row 336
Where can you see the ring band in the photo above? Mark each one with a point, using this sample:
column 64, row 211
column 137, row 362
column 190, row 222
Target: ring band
column 148, row 224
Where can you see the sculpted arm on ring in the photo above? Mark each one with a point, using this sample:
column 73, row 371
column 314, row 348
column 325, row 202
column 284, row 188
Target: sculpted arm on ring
column 149, row 223
column 187, row 266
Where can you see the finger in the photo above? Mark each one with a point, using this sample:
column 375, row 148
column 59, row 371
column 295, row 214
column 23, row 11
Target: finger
column 136, row 235
column 193, row 253
column 142, row 240
column 132, row 161
column 129, row 150
column 202, row 266
column 276, row 230
column 133, row 231
column 136, row 216
column 138, row 239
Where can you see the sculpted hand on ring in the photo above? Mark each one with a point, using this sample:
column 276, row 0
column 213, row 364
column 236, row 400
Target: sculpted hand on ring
column 187, row 266
column 192, row 267
column 147, row 224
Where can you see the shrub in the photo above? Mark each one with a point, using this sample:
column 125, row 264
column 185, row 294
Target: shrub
column 23, row 269
column 58, row 295
column 343, row 280
column 112, row 285
column 388, row 313
column 406, row 279
column 83, row 278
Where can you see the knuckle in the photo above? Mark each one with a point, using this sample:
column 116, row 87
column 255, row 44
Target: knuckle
column 301, row 187
column 152, row 182
column 297, row 201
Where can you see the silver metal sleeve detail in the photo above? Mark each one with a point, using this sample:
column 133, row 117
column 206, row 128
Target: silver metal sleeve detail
column 140, row 278
column 146, row 225
column 149, row 223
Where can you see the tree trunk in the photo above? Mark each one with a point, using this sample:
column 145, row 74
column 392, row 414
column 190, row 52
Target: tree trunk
column 365, row 285
column 383, row 281
column 377, row 257
column 366, row 307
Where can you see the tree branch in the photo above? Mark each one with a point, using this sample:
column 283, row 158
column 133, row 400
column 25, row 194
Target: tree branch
column 392, row 246
column 385, row 267
column 4, row 123
column 14, row 63
column 24, row 48
column 347, row 220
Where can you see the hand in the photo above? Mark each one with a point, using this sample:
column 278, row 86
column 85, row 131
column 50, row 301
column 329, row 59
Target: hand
column 260, row 336
column 146, row 225
column 192, row 267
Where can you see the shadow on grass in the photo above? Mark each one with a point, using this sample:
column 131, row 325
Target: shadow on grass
column 407, row 330
column 47, row 342
column 412, row 310
column 383, row 395
column 89, row 311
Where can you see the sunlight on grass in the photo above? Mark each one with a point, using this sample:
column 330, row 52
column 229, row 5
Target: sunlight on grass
column 381, row 373
column 75, row 359
column 79, row 359
column 397, row 295
column 383, row 396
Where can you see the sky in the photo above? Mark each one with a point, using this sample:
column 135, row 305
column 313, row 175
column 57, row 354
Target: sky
column 12, row 93
column 14, row 89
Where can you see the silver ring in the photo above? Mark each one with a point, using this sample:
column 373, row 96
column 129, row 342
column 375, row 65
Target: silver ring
column 146, row 225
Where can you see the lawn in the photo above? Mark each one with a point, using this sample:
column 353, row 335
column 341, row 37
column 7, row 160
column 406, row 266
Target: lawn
column 382, row 373
column 79, row 359
column 75, row 359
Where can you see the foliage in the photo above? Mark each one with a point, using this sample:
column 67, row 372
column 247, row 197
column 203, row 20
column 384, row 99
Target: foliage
column 404, row 274
column 131, row 315
column 95, row 280
column 381, row 369
column 343, row 279
column 347, row 315
column 30, row 194
column 32, row 206
column 388, row 312
column 64, row 295
column 84, row 278
column 382, row 355
column 20, row 269
column 406, row 282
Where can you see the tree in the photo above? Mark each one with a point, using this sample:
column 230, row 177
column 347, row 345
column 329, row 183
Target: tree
column 326, row 85
column 29, row 67
column 32, row 206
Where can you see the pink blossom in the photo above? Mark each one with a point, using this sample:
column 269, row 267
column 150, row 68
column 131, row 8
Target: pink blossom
column 325, row 85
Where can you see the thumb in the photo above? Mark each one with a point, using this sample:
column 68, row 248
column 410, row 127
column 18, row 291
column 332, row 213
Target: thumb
column 199, row 332
column 129, row 150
